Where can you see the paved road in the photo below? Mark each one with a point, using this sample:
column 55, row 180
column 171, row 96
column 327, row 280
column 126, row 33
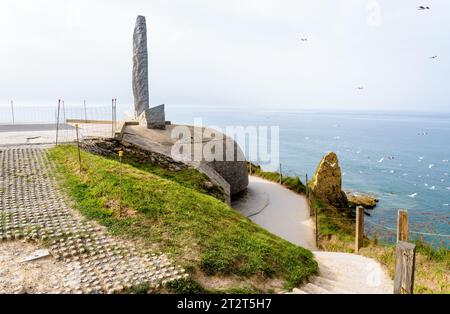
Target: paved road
column 278, row 210
column 31, row 127
column 19, row 134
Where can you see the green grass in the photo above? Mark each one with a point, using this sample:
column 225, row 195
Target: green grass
column 199, row 231
column 292, row 183
column 337, row 233
column 188, row 177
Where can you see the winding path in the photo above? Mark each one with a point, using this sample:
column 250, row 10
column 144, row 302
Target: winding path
column 286, row 214
column 279, row 210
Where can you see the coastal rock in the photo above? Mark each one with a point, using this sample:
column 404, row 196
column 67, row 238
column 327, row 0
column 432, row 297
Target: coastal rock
column 140, row 67
column 356, row 199
column 327, row 182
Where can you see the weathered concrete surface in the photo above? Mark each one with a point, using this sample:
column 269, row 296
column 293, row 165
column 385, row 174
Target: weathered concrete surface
column 140, row 67
column 231, row 175
column 153, row 118
column 46, row 133
column 327, row 182
column 344, row 273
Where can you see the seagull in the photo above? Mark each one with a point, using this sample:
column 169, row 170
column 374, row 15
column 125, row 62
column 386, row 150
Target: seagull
column 381, row 160
column 423, row 8
column 430, row 166
column 433, row 188
column 331, row 164
column 433, row 57
column 413, row 195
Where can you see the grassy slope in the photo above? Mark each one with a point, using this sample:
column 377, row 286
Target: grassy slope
column 203, row 234
column 188, row 177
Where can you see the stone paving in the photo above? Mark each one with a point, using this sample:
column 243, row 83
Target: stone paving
column 33, row 209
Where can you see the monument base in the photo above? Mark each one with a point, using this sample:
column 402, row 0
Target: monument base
column 153, row 118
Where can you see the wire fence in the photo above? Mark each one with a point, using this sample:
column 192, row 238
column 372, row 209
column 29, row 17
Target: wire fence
column 56, row 124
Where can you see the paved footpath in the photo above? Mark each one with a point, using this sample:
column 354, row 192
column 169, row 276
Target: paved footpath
column 279, row 210
column 33, row 209
column 286, row 214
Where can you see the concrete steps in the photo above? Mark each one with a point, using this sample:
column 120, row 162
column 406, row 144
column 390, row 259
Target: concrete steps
column 343, row 273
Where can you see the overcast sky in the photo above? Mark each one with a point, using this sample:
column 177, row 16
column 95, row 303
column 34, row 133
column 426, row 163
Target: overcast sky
column 231, row 53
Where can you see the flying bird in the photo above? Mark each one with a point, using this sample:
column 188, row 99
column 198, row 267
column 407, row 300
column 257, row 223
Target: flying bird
column 303, row 39
column 413, row 195
column 423, row 8
column 360, row 88
column 433, row 57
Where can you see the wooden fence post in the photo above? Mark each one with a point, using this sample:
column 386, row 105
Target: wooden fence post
column 359, row 234
column 316, row 214
column 281, row 176
column 120, row 183
column 57, row 122
column 85, row 112
column 402, row 225
column 64, row 112
column 78, row 146
column 306, row 185
column 405, row 260
column 12, row 110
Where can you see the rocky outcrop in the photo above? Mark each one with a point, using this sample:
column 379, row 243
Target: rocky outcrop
column 327, row 182
column 356, row 199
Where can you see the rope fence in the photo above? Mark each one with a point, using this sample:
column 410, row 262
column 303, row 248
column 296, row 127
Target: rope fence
column 387, row 232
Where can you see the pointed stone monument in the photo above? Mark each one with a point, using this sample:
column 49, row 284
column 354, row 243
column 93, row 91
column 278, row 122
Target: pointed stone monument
column 153, row 118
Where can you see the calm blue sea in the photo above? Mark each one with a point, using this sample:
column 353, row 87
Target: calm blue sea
column 402, row 158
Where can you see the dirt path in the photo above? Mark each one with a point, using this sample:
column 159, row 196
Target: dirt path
column 278, row 210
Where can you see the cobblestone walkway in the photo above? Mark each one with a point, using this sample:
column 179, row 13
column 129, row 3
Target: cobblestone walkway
column 33, row 209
